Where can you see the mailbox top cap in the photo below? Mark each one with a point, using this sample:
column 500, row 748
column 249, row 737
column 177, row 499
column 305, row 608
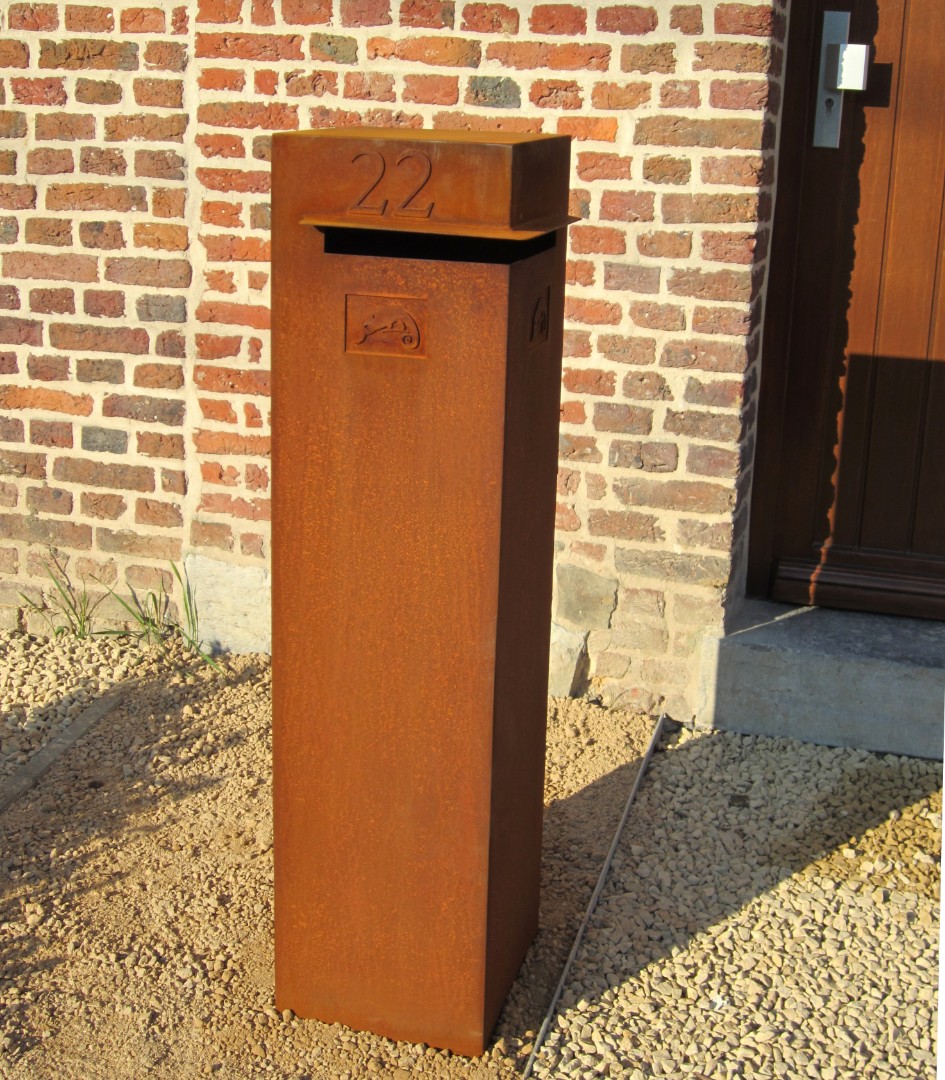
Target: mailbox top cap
column 502, row 185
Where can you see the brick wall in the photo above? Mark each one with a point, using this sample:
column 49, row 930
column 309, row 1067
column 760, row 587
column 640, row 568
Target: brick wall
column 134, row 246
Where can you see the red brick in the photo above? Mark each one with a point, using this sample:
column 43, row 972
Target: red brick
column 89, row 54
column 168, row 202
column 40, row 92
column 34, row 530
column 626, row 19
column 211, row 534
column 161, row 237
column 711, row 284
column 231, row 380
column 582, row 448
column 171, row 343
column 739, row 93
column 161, row 514
column 711, row 209
column 312, row 84
column 625, row 419
column 9, row 297
column 369, row 86
column 56, row 232
column 733, row 247
column 165, row 56
column 566, row 520
column 566, row 19
column 245, row 114
column 222, row 78
column 428, row 14
column 731, row 56
column 263, row 12
column 97, row 92
column 82, row 268
column 12, row 125
column 597, row 129
column 142, row 21
column 589, row 381
column 257, row 477
column 716, row 320
column 8, row 363
column 215, row 409
column 665, row 245
column 624, row 525
column 632, row 278
column 48, row 368
column 538, row 54
column 594, row 239
column 596, row 312
column 48, row 500
column 680, row 94
column 722, row 393
column 248, row 509
column 8, row 162
column 649, row 59
column 11, row 430
column 45, row 161
column 645, row 456
column 107, row 303
column 235, row 180
column 441, row 51
column 214, row 347
column 686, row 18
column 159, row 93
column 30, row 466
column 33, row 17
column 579, row 272
column 222, row 311
column 306, row 12
column 693, row 496
column 17, row 331
column 555, row 94
column 104, row 475
column 115, row 197
column 664, row 169
column 736, row 170
column 14, row 54
column 431, row 89
column 687, row 131
column 225, row 442
column 120, row 339
column 156, row 273
column 620, row 95
column 146, row 126
column 365, row 12
column 159, row 376
column 593, row 165
column 577, row 343
column 759, row 20
column 705, row 355
column 148, row 410
column 44, row 400
column 17, row 197
column 490, row 19
column 712, row 427
column 156, row 444
column 226, row 146
column 103, row 235
column 104, row 162
column 713, row 461
column 52, row 301
column 255, row 47
column 212, row 472
column 653, row 316
column 572, row 412
column 219, row 11
column 133, row 543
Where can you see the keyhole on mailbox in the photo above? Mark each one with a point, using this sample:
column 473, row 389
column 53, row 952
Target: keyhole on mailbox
column 828, row 106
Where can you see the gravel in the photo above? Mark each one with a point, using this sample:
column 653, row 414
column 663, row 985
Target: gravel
column 772, row 909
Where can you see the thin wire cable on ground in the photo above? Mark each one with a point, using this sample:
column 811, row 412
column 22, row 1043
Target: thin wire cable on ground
column 595, row 896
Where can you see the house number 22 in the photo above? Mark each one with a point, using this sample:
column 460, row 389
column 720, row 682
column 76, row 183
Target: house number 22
column 404, row 182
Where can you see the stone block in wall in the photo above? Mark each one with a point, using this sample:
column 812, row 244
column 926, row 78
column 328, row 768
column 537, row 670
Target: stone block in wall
column 584, row 599
column 567, row 661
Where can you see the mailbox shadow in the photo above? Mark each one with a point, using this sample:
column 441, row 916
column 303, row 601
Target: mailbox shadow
column 742, row 820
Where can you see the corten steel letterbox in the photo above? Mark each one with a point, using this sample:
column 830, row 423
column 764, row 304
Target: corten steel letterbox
column 418, row 283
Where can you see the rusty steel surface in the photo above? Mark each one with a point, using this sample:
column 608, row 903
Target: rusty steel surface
column 415, row 413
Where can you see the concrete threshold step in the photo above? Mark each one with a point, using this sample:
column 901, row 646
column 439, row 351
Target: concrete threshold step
column 840, row 678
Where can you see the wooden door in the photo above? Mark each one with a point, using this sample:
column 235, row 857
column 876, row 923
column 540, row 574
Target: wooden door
column 849, row 496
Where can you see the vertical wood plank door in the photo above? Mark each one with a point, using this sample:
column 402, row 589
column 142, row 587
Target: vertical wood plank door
column 850, row 506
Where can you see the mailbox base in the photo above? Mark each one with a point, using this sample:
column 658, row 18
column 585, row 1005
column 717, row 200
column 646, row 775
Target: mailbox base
column 415, row 449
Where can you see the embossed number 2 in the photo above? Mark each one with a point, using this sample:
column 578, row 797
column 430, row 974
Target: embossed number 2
column 404, row 209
